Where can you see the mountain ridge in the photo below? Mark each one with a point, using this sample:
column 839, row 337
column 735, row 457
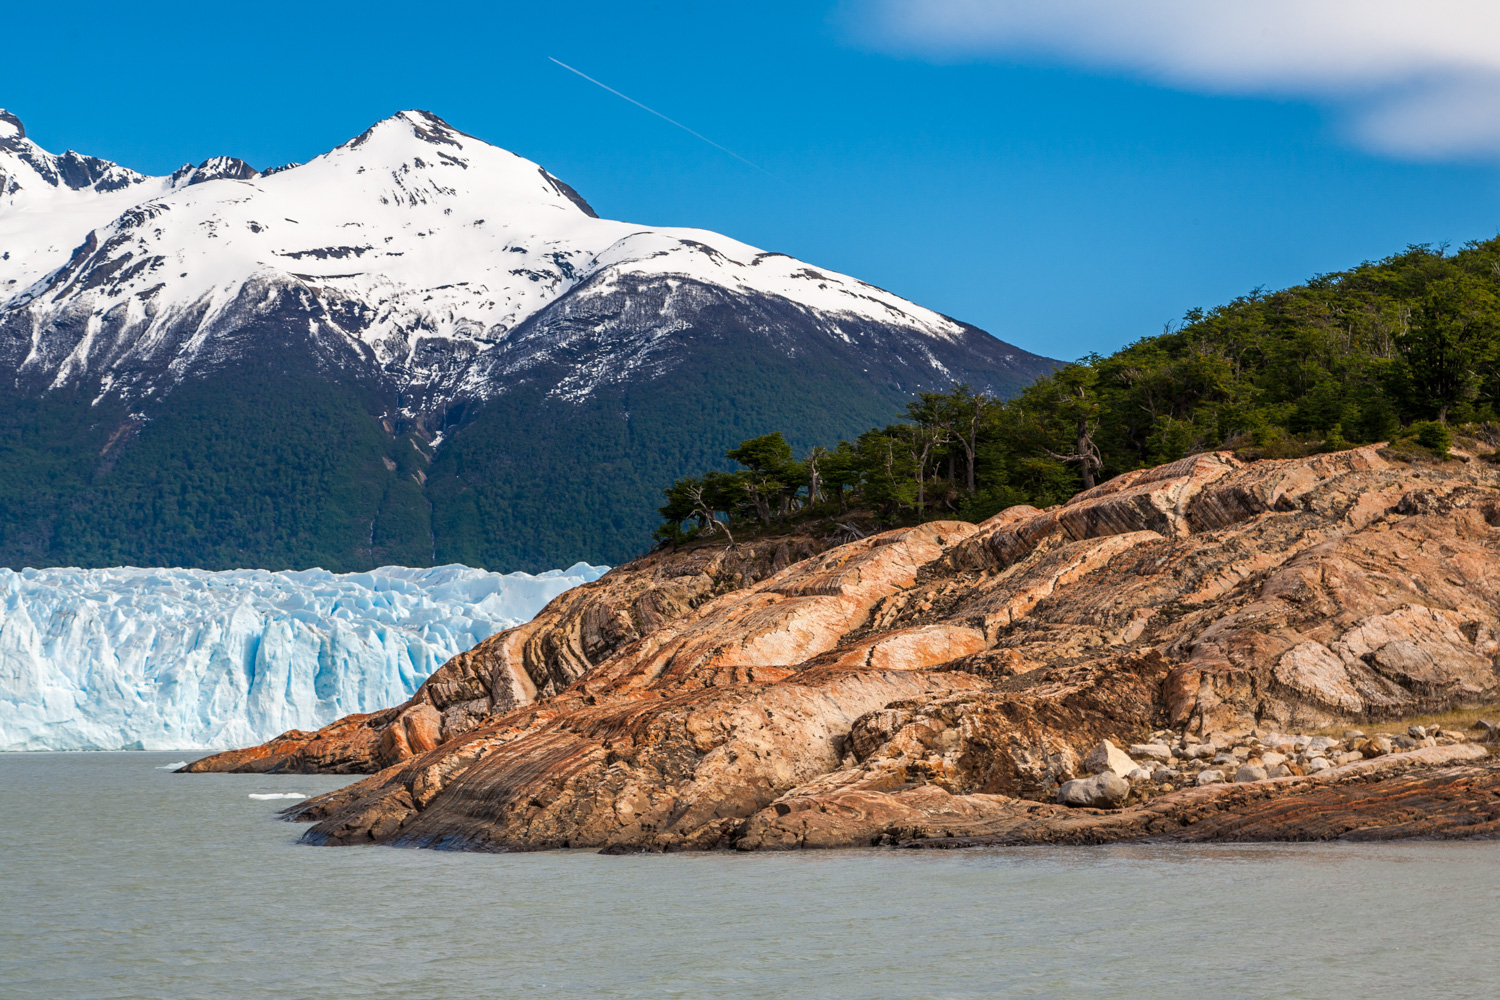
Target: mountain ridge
column 465, row 298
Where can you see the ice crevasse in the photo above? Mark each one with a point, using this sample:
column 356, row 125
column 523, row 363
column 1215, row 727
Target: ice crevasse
column 117, row 659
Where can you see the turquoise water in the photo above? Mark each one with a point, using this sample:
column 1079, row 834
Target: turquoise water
column 123, row 881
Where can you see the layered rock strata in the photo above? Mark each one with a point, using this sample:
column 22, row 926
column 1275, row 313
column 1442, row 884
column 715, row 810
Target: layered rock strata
column 941, row 683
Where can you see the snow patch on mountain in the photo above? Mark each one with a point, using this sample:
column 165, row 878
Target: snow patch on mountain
column 411, row 235
column 111, row 659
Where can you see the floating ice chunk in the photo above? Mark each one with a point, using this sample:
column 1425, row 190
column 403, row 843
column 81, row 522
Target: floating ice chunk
column 167, row 659
column 172, row 767
column 277, row 795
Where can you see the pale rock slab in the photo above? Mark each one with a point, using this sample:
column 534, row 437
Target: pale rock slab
column 1108, row 757
column 1105, row 790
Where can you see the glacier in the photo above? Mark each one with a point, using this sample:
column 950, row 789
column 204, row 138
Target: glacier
column 166, row 659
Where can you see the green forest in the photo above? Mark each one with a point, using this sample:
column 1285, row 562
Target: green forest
column 1405, row 349
column 285, row 459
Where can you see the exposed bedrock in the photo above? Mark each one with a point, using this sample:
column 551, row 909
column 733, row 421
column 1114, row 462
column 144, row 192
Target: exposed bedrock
column 940, row 683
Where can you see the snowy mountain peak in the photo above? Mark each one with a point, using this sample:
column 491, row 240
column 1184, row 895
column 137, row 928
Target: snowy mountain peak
column 419, row 150
column 418, row 244
column 11, row 130
column 28, row 172
column 212, row 169
column 422, row 125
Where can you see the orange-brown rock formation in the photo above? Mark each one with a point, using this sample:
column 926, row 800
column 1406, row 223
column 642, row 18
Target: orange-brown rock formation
column 938, row 683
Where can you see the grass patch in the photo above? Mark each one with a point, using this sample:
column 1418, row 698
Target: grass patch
column 1465, row 719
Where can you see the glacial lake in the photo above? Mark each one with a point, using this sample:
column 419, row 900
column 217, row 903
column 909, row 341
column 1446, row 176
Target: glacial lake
column 120, row 880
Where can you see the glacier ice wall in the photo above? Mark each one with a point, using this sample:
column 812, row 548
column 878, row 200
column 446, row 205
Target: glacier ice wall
column 112, row 659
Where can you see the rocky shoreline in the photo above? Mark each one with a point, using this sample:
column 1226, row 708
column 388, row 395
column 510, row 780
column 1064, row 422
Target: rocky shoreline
column 1155, row 659
column 1417, row 795
column 1178, row 760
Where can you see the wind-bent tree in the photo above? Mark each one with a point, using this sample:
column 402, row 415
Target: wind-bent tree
column 1078, row 410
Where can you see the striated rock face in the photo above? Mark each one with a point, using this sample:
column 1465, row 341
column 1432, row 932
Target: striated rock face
column 1399, row 797
column 576, row 631
column 941, row 683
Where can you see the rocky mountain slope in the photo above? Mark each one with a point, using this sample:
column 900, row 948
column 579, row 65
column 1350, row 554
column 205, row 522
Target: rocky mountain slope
column 463, row 344
column 951, row 683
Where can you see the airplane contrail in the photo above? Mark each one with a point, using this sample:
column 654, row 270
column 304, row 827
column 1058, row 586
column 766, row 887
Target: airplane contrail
column 664, row 118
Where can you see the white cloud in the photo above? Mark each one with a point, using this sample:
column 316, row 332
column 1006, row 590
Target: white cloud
column 1416, row 78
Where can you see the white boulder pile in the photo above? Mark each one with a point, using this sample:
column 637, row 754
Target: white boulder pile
column 1108, row 785
column 1169, row 760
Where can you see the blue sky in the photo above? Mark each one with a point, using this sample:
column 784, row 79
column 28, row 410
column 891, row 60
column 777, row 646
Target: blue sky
column 1067, row 192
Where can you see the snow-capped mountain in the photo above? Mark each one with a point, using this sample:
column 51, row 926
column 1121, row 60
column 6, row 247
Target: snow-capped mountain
column 424, row 247
column 119, row 659
column 456, row 293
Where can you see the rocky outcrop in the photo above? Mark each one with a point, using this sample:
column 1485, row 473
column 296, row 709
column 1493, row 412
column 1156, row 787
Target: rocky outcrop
column 1436, row 793
column 1124, row 665
column 578, row 630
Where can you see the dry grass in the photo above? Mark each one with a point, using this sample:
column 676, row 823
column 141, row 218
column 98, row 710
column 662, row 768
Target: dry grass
column 1461, row 718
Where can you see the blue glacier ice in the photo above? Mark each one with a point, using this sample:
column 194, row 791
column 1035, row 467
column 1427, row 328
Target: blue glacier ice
column 157, row 659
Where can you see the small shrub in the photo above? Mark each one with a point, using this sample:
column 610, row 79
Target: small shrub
column 1434, row 436
column 1335, row 441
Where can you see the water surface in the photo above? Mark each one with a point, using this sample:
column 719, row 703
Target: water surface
column 122, row 881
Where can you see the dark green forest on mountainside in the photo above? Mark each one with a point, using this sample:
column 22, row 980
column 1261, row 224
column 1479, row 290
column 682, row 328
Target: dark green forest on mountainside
column 273, row 464
column 267, row 469
column 1406, row 349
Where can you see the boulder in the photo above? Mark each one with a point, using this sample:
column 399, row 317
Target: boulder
column 1108, row 757
column 1156, row 751
column 1375, row 746
column 1250, row 772
column 1210, row 777
column 1318, row 764
column 1417, row 732
column 1272, row 759
column 393, row 746
column 423, row 725
column 1105, row 790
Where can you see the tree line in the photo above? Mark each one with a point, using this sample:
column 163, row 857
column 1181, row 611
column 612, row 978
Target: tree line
column 1399, row 349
